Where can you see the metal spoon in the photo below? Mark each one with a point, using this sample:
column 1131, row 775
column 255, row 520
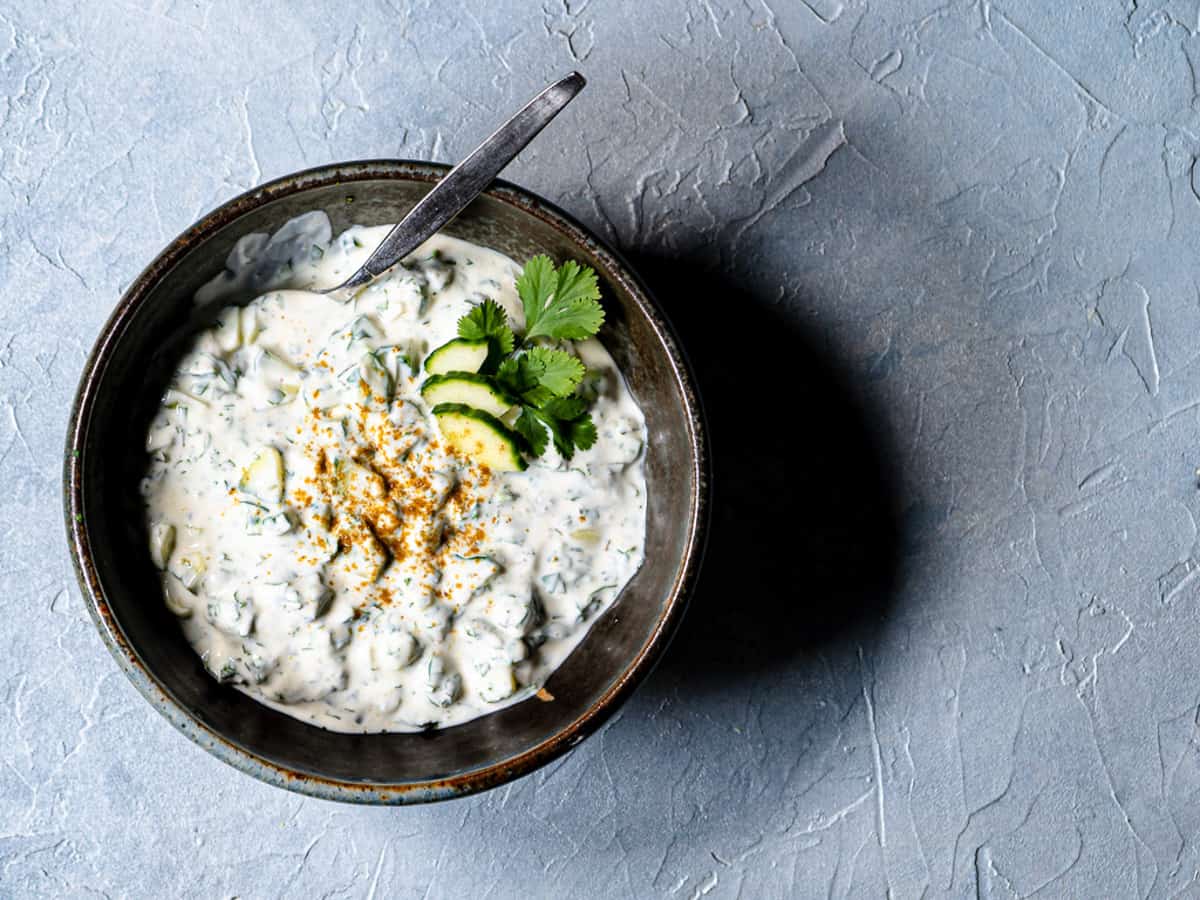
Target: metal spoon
column 467, row 180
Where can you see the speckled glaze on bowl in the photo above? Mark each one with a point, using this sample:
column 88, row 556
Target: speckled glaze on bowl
column 119, row 391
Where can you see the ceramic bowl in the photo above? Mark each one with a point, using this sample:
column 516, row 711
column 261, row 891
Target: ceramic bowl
column 120, row 389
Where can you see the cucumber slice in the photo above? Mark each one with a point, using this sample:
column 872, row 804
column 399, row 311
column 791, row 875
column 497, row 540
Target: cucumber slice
column 458, row 355
column 480, row 436
column 468, row 389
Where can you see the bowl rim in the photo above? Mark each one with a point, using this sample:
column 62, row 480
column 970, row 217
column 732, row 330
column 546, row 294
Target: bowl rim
column 482, row 778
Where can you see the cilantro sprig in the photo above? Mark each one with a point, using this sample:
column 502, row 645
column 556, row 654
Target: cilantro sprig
column 560, row 304
column 487, row 321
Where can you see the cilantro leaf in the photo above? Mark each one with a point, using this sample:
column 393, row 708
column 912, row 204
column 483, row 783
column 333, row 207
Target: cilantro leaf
column 487, row 320
column 508, row 373
column 520, row 375
column 565, row 407
column 560, row 434
column 535, row 286
column 583, row 432
column 540, row 374
column 569, row 423
column 562, row 304
column 530, row 427
column 576, row 282
column 574, row 320
column 560, row 371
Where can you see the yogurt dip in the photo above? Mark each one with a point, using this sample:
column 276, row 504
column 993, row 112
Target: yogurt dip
column 325, row 551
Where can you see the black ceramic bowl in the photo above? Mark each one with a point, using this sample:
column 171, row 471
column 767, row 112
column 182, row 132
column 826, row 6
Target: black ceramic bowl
column 120, row 389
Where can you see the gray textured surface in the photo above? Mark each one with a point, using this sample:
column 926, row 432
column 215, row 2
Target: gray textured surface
column 982, row 215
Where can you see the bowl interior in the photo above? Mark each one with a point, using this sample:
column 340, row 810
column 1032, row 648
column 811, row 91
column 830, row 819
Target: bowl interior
column 144, row 344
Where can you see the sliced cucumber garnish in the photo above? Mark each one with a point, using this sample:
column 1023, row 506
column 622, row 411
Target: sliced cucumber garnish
column 480, row 437
column 458, row 355
column 468, row 389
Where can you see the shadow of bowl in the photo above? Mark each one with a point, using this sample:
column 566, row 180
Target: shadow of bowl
column 805, row 541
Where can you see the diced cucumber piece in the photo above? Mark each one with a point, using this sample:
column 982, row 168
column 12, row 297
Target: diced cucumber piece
column 515, row 614
column 396, row 647
column 225, row 673
column 480, row 437
column 249, row 325
column 378, row 379
column 366, row 559
column 396, row 362
column 274, row 370
column 516, row 650
column 498, row 682
column 177, row 399
column 264, row 476
column 553, row 583
column 447, row 691
column 255, row 660
column 318, row 516
column 233, row 612
column 458, row 355
column 274, row 524
column 179, row 599
column 438, row 270
column 161, row 436
column 485, row 633
column 364, row 328
column 443, row 687
column 228, row 331
column 467, row 388
column 189, row 567
column 359, row 482
column 162, row 543
column 309, row 595
column 340, row 635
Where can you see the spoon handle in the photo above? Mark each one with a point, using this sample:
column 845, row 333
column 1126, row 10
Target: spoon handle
column 468, row 179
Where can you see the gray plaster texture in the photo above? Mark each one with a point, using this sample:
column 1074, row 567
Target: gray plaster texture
column 936, row 265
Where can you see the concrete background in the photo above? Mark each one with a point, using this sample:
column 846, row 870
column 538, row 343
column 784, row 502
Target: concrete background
column 948, row 636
